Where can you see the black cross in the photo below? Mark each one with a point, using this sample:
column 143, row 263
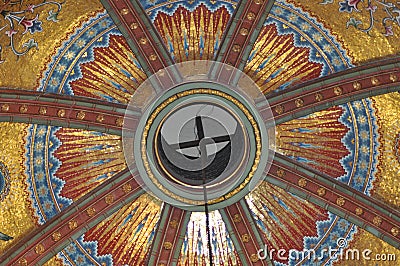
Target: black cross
column 200, row 136
column 202, row 141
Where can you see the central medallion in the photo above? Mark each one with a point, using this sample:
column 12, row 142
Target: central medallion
column 195, row 143
column 198, row 141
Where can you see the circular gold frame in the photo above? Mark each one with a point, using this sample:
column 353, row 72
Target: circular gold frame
column 208, row 185
column 213, row 92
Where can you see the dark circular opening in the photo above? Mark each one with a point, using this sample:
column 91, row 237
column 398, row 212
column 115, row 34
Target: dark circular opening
column 200, row 143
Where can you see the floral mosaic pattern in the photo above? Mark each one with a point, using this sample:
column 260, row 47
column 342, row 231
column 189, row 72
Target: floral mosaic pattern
column 18, row 19
column 89, row 48
column 383, row 15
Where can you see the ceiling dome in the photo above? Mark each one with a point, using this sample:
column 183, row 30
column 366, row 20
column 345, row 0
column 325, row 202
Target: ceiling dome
column 199, row 132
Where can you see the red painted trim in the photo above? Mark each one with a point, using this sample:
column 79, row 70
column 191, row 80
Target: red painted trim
column 330, row 88
column 241, row 226
column 76, row 222
column 62, row 108
column 333, row 196
column 139, row 34
column 169, row 234
column 246, row 24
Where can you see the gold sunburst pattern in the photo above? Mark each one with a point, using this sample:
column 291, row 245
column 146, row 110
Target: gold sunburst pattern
column 275, row 61
column 283, row 218
column 315, row 140
column 114, row 72
column 128, row 233
column 87, row 159
column 192, row 35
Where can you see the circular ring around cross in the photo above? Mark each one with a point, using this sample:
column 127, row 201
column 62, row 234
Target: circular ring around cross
column 199, row 132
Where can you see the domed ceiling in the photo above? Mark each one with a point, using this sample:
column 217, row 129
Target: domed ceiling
column 329, row 69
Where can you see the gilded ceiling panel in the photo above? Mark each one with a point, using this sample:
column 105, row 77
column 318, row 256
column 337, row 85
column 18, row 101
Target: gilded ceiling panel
column 30, row 32
column 16, row 216
column 388, row 184
column 368, row 29
column 75, row 48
